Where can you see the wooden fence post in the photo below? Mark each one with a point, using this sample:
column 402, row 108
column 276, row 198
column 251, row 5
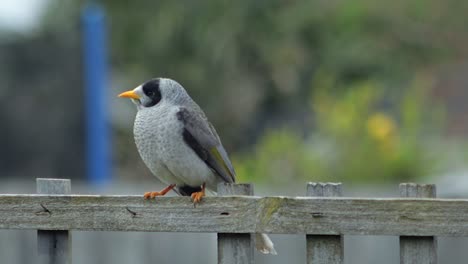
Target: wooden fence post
column 53, row 247
column 324, row 249
column 422, row 249
column 235, row 248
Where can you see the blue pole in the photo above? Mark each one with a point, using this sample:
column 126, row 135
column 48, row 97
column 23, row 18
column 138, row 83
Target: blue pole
column 95, row 81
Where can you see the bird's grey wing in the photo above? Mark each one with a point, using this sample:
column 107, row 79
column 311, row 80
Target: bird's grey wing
column 201, row 136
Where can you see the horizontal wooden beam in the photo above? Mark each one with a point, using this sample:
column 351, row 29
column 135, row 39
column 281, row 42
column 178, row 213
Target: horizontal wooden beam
column 238, row 214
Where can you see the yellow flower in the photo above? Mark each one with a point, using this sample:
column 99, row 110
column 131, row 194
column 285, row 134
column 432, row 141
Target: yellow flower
column 381, row 127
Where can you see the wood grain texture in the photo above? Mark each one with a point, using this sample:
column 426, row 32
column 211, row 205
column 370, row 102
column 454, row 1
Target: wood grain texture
column 324, row 249
column 418, row 250
column 238, row 214
column 53, row 186
column 328, row 189
column 235, row 248
column 53, row 247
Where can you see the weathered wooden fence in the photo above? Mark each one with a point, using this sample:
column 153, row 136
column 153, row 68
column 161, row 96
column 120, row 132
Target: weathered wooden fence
column 323, row 216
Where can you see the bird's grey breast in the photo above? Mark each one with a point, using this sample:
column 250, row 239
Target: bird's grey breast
column 156, row 132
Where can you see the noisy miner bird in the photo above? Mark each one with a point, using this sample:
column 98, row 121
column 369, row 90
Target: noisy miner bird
column 179, row 145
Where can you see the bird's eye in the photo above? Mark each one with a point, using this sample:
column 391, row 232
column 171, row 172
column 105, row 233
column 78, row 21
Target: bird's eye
column 151, row 89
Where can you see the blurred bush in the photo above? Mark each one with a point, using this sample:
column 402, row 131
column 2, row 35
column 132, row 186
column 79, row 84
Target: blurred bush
column 250, row 64
column 325, row 90
column 354, row 139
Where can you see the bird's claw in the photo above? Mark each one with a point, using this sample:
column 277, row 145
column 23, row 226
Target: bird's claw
column 151, row 195
column 197, row 196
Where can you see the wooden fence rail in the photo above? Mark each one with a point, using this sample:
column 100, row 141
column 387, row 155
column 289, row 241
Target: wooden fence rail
column 322, row 216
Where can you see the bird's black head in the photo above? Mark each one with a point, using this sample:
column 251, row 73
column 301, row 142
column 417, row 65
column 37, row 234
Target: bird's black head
column 156, row 92
column 152, row 90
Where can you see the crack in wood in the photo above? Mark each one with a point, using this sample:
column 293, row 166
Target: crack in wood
column 133, row 213
column 317, row 214
column 43, row 211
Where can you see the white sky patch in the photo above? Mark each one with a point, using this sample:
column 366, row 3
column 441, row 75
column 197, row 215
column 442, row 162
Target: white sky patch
column 20, row 15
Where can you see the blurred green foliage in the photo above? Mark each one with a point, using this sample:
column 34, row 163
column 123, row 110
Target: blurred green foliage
column 353, row 139
column 319, row 90
column 250, row 64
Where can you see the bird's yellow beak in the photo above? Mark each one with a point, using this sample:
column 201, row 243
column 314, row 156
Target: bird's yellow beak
column 129, row 94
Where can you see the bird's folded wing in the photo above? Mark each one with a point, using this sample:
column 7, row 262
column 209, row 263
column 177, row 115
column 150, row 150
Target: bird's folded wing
column 201, row 136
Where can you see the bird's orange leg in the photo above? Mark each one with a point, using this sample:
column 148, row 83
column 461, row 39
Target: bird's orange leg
column 151, row 195
column 197, row 196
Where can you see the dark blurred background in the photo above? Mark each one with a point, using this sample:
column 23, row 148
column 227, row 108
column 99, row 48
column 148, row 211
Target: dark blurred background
column 328, row 90
column 363, row 92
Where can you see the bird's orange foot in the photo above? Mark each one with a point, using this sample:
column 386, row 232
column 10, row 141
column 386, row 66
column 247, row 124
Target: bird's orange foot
column 197, row 196
column 151, row 195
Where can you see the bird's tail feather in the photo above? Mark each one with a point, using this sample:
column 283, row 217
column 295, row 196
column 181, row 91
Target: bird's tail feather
column 264, row 244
